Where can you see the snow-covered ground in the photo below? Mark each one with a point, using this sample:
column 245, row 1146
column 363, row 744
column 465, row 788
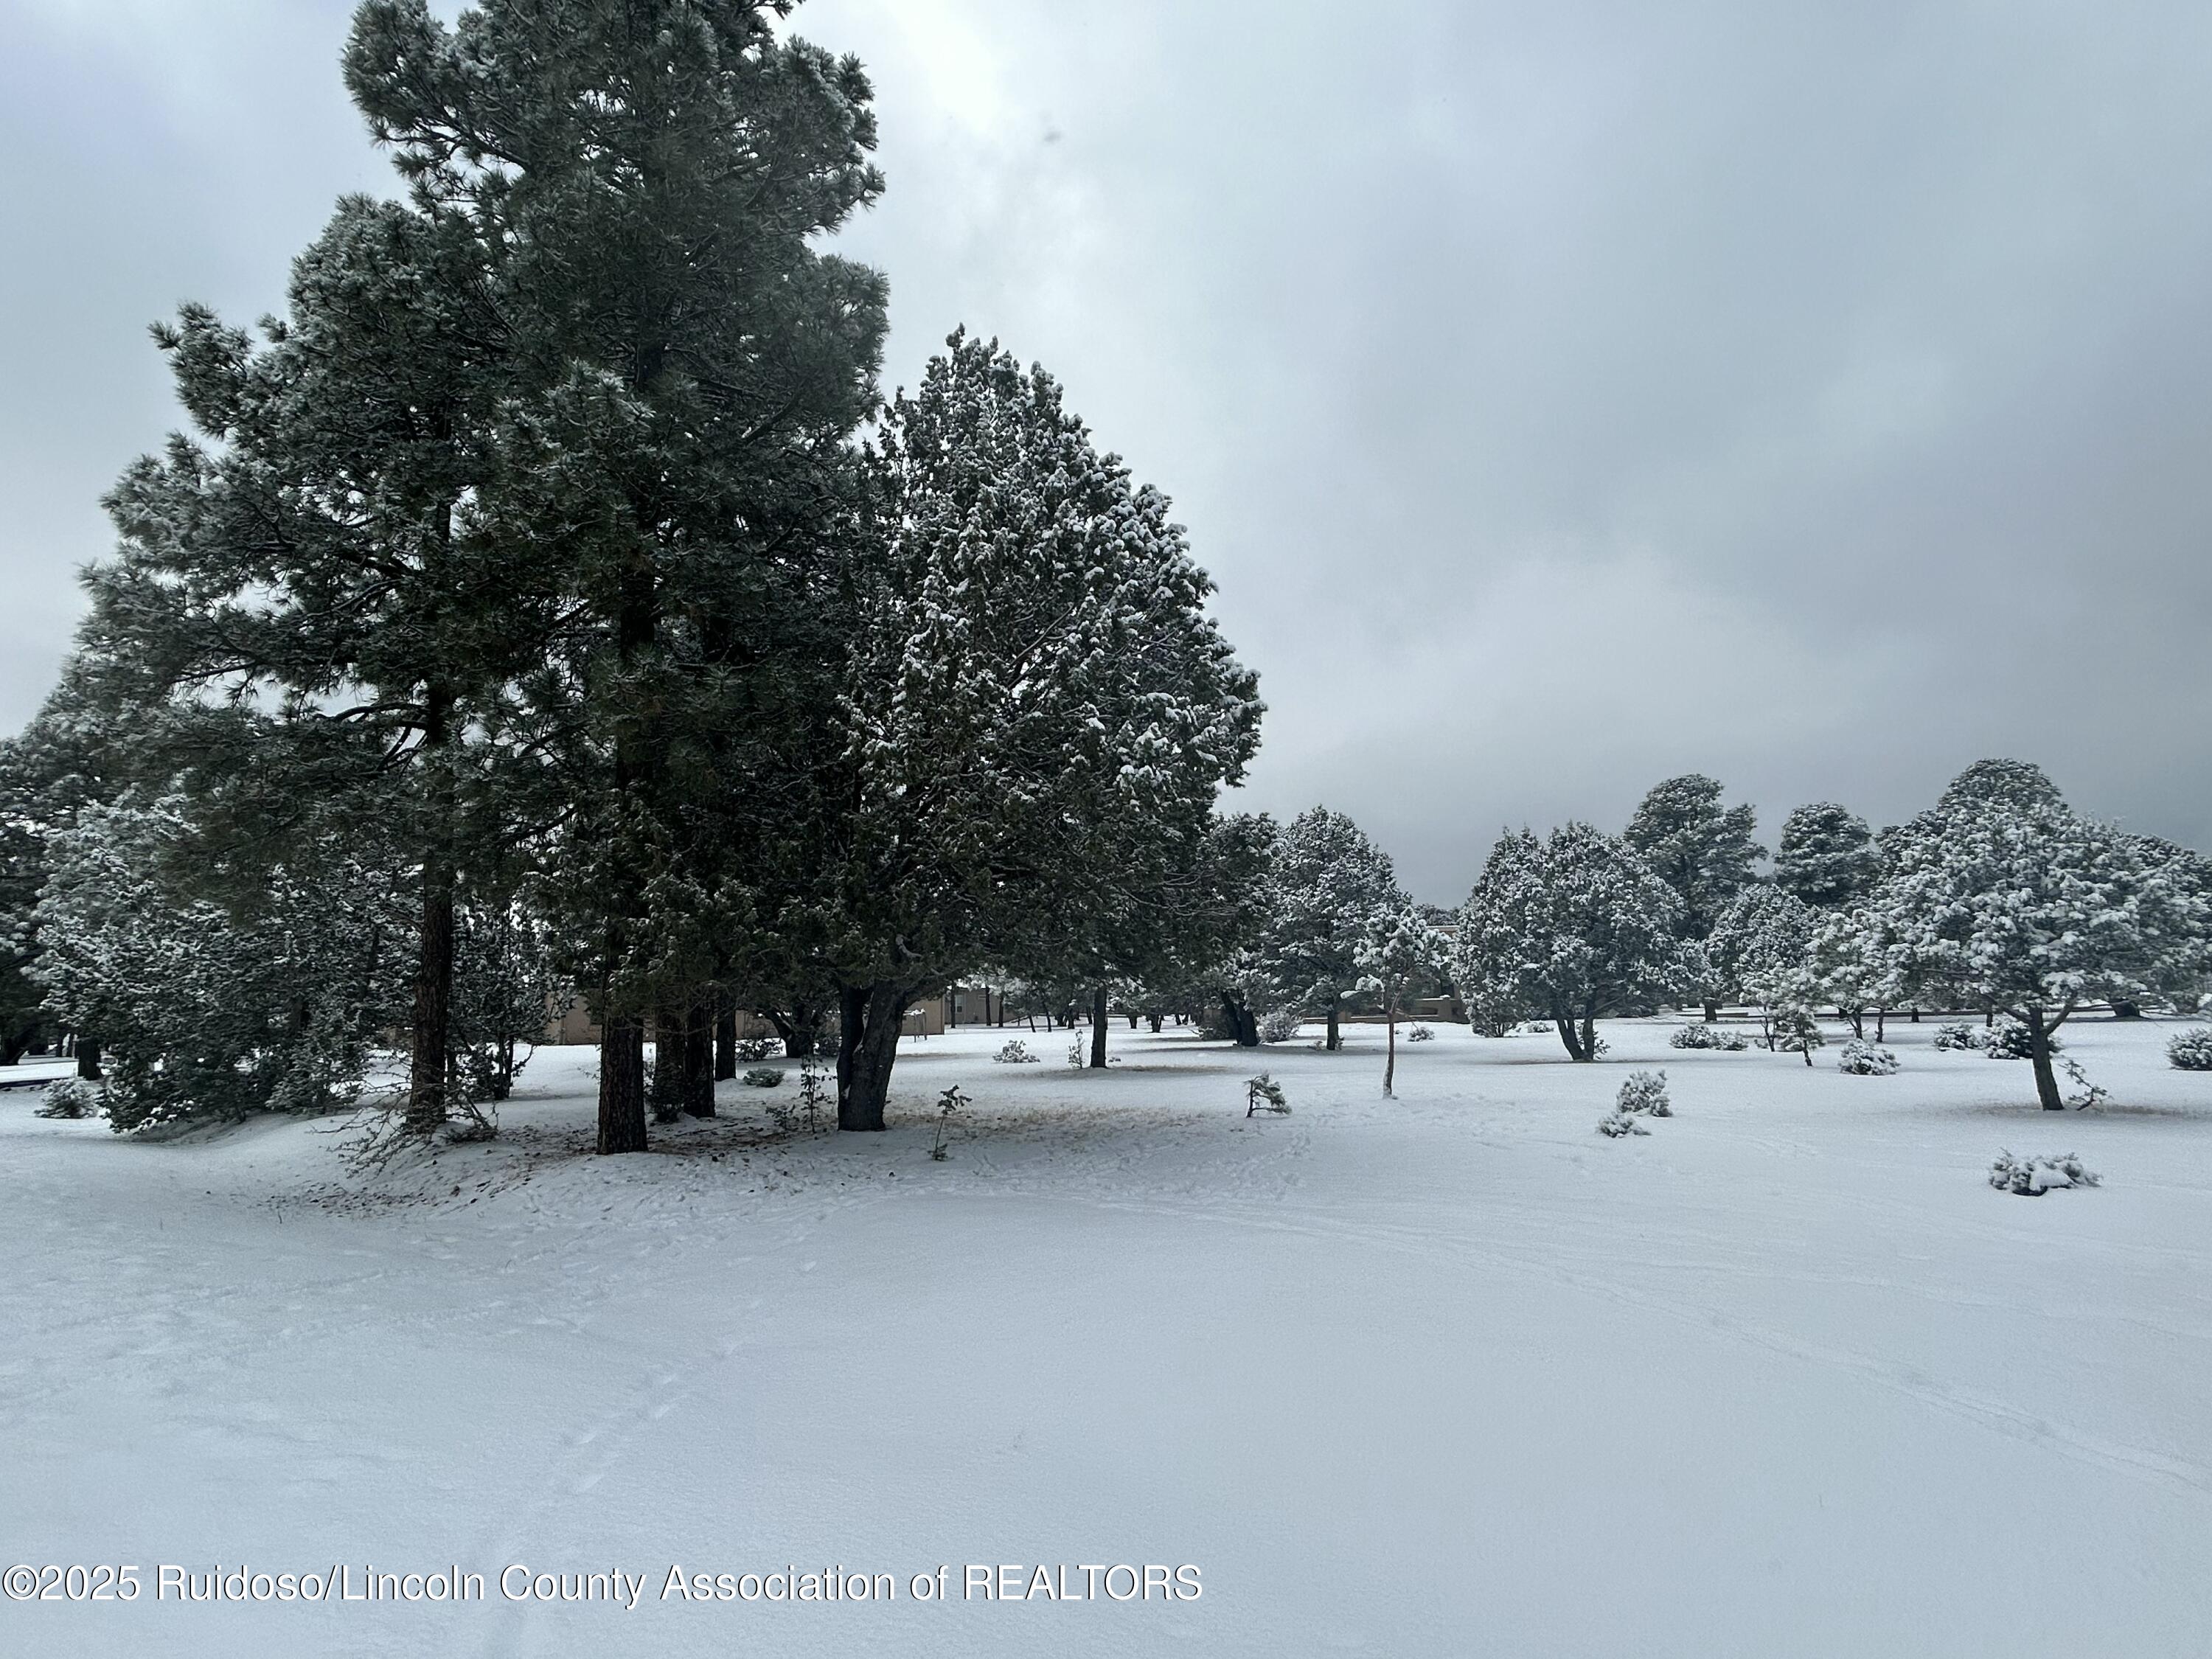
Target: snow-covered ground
column 1446, row 1375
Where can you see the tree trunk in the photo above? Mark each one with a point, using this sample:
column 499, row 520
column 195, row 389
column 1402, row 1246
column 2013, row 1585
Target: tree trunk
column 1132, row 1020
column 1156, row 1024
column 1390, row 1051
column 867, row 1045
column 622, row 1083
column 87, row 1057
column 725, row 1042
column 666, row 1098
column 1335, row 1038
column 2124, row 1010
column 1589, row 1029
column 432, row 1035
column 1856, row 1018
column 1712, row 1013
column 1880, row 1023
column 1098, row 1017
column 1563, row 1023
column 2039, row 1054
column 699, row 1059
column 1244, row 1027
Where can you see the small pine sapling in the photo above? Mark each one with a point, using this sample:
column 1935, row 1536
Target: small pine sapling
column 1795, row 1031
column 813, row 1098
column 1077, row 1054
column 1419, row 1034
column 71, row 1097
column 947, row 1104
column 1644, row 1093
column 2086, row 1094
column 1263, row 1094
column 1958, row 1033
column 1860, row 1058
column 2010, row 1039
column 1619, row 1123
column 2032, row 1177
column 2190, row 1050
column 762, row 1077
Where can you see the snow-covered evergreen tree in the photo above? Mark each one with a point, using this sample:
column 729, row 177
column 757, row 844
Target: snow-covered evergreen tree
column 208, row 1010
column 1826, row 855
column 2022, row 905
column 1399, row 947
column 1039, row 711
column 1330, row 892
column 1703, row 851
column 1761, row 950
column 1567, row 927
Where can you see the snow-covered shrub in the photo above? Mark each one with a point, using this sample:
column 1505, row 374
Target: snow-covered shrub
column 1418, row 1034
column 1620, row 1123
column 1280, row 1025
column 1015, row 1053
column 211, row 1004
column 1537, row 1027
column 2008, row 1040
column 1645, row 1093
column 1863, row 1059
column 762, row 1077
column 1795, row 1031
column 2190, row 1050
column 72, row 1097
column 1078, row 1052
column 1263, row 1094
column 750, row 1049
column 2032, row 1177
column 1958, row 1033
column 1701, row 1036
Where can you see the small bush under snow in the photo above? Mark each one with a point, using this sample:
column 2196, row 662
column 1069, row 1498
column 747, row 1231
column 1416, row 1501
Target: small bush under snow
column 1644, row 1092
column 1863, row 1059
column 2190, row 1050
column 1418, row 1034
column 1957, row 1034
column 1702, row 1036
column 1279, row 1026
column 72, row 1097
column 762, row 1077
column 2008, row 1040
column 2032, row 1177
column 1015, row 1053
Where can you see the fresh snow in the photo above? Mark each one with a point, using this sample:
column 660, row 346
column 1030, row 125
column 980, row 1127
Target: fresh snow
column 1450, row 1374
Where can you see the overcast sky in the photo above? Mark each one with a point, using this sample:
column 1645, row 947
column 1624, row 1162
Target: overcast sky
column 1562, row 395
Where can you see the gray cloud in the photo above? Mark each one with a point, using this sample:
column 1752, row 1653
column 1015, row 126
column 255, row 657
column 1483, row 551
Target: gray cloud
column 1563, row 395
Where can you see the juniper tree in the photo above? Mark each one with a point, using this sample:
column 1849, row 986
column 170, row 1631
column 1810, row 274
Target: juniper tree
column 656, row 175
column 1761, row 949
column 1329, row 889
column 1705, row 852
column 1826, row 855
column 1039, row 712
column 1571, row 927
column 2030, row 908
column 1399, row 946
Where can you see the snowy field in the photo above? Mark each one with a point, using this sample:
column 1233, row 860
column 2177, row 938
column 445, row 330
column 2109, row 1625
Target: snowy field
column 1443, row 1375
